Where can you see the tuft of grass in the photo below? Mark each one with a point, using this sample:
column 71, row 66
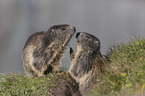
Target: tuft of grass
column 125, row 73
column 21, row 85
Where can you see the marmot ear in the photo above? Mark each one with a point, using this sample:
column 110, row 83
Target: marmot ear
column 52, row 30
column 96, row 42
column 72, row 53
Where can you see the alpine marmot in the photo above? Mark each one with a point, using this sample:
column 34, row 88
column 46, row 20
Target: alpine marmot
column 43, row 50
column 87, row 63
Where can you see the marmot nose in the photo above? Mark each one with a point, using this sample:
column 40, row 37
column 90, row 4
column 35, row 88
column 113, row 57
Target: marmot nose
column 73, row 28
column 78, row 34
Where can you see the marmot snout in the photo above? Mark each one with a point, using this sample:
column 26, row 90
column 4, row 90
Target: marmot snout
column 87, row 63
column 43, row 50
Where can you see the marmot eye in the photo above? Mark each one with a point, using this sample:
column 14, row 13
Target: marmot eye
column 87, row 37
column 63, row 28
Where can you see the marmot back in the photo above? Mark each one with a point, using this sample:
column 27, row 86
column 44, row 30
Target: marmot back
column 43, row 50
column 87, row 63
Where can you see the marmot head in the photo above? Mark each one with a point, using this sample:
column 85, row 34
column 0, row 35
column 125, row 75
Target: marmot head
column 61, row 32
column 87, row 41
column 60, row 35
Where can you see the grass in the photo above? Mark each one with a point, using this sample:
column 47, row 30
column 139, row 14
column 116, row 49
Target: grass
column 125, row 73
column 21, row 85
column 13, row 85
column 124, row 76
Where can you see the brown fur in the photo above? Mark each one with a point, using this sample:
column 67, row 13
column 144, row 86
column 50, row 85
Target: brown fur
column 43, row 50
column 87, row 63
column 65, row 85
